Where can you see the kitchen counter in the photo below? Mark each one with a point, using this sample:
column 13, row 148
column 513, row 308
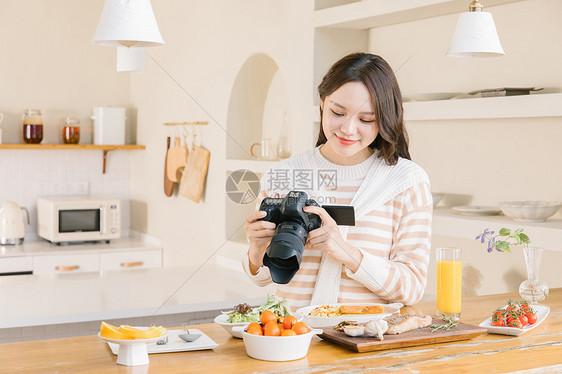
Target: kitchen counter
column 537, row 351
column 132, row 242
column 33, row 300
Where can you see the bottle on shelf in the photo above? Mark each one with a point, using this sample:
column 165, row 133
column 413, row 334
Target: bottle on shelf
column 284, row 142
column 71, row 130
column 32, row 126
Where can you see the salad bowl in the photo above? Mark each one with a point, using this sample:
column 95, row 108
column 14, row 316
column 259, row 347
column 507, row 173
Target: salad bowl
column 222, row 320
column 243, row 314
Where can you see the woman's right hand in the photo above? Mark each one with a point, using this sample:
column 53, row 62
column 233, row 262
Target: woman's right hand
column 259, row 234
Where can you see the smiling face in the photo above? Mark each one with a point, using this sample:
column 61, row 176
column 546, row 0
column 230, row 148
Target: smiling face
column 349, row 123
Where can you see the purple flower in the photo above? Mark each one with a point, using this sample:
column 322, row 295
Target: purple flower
column 484, row 235
column 492, row 244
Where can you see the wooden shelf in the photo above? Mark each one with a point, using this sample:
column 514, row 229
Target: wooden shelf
column 376, row 13
column 72, row 146
column 104, row 148
column 524, row 106
column 257, row 166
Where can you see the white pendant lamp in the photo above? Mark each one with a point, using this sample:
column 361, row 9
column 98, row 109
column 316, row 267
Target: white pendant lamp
column 131, row 59
column 475, row 34
column 129, row 23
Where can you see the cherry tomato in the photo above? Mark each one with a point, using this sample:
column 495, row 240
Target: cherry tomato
column 499, row 323
column 516, row 323
column 289, row 321
column 301, row 328
column 498, row 318
column 272, row 328
column 513, row 308
column 532, row 318
column 288, row 332
column 523, row 319
column 254, row 328
column 525, row 307
column 266, row 316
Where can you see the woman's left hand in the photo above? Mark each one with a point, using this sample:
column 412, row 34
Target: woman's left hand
column 328, row 239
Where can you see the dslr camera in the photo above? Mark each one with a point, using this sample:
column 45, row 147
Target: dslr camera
column 284, row 254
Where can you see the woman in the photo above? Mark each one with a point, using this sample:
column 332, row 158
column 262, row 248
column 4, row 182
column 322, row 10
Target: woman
column 363, row 143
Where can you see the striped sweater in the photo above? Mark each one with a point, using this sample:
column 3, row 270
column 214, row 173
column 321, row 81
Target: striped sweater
column 394, row 238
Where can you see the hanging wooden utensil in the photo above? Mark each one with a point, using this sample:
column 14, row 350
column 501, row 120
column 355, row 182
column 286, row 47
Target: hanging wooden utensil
column 176, row 158
column 193, row 178
column 168, row 184
column 187, row 144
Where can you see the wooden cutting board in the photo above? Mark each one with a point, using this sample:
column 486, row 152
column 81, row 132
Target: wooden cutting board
column 168, row 184
column 408, row 339
column 194, row 174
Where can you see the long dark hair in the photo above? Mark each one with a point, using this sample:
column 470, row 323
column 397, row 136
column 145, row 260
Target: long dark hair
column 375, row 73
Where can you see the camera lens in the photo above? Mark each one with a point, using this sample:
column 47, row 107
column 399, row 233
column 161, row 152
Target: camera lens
column 284, row 254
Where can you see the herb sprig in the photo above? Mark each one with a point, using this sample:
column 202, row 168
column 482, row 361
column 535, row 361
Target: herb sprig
column 449, row 323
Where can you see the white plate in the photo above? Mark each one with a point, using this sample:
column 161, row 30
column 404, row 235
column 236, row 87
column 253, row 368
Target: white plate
column 116, row 342
column 175, row 344
column 431, row 96
column 323, row 322
column 540, row 310
column 477, row 210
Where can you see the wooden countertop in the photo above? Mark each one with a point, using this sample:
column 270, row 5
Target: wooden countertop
column 539, row 348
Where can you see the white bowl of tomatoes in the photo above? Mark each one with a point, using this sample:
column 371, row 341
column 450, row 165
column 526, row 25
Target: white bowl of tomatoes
column 276, row 338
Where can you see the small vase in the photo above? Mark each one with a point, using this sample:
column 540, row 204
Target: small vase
column 284, row 143
column 533, row 290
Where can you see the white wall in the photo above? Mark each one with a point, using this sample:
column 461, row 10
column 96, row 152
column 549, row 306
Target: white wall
column 47, row 62
column 207, row 43
column 486, row 161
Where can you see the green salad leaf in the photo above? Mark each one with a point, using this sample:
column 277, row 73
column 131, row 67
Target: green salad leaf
column 243, row 313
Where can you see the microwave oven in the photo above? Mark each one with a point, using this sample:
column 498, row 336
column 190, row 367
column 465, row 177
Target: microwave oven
column 70, row 219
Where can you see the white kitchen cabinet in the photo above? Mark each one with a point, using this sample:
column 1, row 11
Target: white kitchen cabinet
column 40, row 257
column 12, row 265
column 130, row 260
column 69, row 263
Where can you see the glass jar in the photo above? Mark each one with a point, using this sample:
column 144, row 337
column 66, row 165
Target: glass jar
column 32, row 126
column 70, row 131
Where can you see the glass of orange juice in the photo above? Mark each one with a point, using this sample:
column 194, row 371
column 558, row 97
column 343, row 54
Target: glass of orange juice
column 449, row 282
